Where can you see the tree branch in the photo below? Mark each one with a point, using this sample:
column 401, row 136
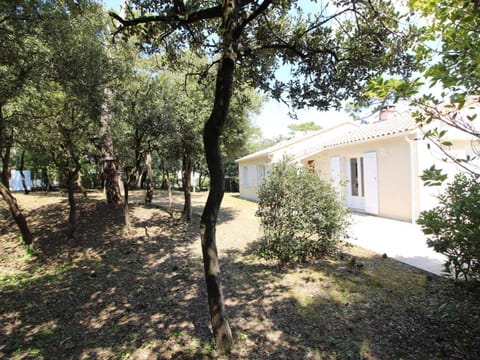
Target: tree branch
column 316, row 25
column 181, row 20
column 260, row 9
column 294, row 49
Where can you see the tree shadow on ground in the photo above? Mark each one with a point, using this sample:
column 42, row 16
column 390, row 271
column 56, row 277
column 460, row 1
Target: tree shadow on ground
column 98, row 224
column 115, row 295
column 331, row 309
column 143, row 296
column 5, row 220
column 104, row 295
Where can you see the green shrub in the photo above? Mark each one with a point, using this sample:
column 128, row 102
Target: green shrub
column 301, row 215
column 453, row 227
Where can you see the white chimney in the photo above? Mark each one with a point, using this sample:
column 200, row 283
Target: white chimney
column 387, row 112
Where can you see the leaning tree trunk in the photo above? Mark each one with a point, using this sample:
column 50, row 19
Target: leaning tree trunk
column 5, row 192
column 111, row 176
column 16, row 214
column 187, row 184
column 211, row 138
column 148, row 178
column 22, row 165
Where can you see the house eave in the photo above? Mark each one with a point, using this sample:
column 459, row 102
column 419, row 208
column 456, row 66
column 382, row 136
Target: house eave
column 362, row 141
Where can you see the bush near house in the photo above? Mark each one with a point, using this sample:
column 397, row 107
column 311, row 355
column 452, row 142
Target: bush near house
column 301, row 215
column 453, row 227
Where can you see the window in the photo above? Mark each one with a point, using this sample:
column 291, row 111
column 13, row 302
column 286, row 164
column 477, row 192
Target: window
column 363, row 178
column 261, row 174
column 356, row 177
column 252, row 175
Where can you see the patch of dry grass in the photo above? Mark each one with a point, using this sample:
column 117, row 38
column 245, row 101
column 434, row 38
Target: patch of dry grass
column 107, row 296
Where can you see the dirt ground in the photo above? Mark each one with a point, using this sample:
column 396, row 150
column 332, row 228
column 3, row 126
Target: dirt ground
column 106, row 295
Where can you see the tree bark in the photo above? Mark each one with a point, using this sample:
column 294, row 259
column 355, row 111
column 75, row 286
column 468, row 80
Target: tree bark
column 200, row 182
column 139, row 179
column 5, row 148
column 46, row 179
column 78, row 182
column 72, row 218
column 17, row 214
column 71, row 186
column 22, row 165
column 6, row 142
column 111, row 181
column 126, row 214
column 166, row 183
column 165, row 176
column 148, row 178
column 187, row 184
column 6, row 161
column 111, row 177
column 211, row 138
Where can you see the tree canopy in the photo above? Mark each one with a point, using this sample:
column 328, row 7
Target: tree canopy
column 449, row 50
column 325, row 52
column 304, row 127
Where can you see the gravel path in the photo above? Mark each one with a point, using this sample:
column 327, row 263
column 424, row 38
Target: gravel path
column 238, row 226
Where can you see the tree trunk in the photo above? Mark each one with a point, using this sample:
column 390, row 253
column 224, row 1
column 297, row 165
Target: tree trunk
column 78, row 183
column 111, row 177
column 16, row 214
column 111, row 181
column 200, row 181
column 126, row 214
column 211, row 138
column 72, row 217
column 6, row 143
column 168, row 185
column 22, row 164
column 4, row 186
column 46, row 180
column 4, row 146
column 165, row 178
column 187, row 184
column 140, row 175
column 149, row 178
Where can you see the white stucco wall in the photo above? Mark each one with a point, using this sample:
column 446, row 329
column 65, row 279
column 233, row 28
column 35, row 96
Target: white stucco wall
column 251, row 175
column 394, row 173
column 430, row 155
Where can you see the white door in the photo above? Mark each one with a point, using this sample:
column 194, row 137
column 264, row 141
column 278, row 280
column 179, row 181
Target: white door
column 356, row 189
column 335, row 174
column 371, row 182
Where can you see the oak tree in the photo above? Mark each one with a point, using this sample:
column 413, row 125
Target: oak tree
column 330, row 53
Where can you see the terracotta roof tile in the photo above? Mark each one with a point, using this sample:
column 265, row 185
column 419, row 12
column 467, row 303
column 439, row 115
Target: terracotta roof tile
column 346, row 133
column 393, row 126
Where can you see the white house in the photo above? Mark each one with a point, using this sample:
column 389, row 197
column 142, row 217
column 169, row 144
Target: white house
column 375, row 167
